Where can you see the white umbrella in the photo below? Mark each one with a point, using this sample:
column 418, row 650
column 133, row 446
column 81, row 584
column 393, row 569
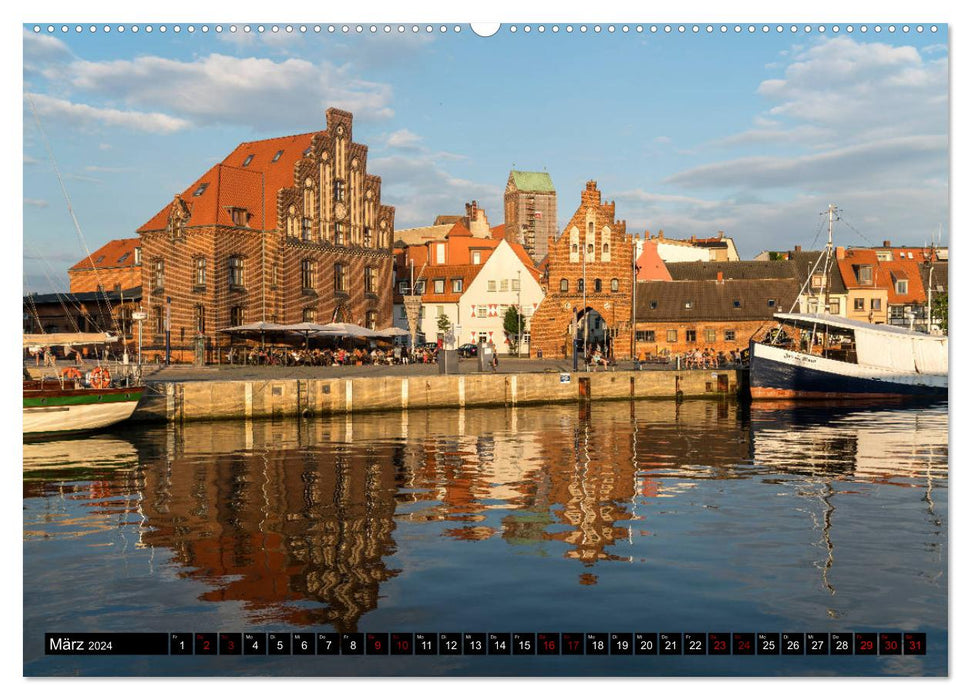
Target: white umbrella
column 392, row 332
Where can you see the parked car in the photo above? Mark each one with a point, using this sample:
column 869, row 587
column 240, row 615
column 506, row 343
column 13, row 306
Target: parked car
column 469, row 350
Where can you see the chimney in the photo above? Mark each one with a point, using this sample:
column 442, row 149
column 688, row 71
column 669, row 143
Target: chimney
column 886, row 244
column 721, row 277
column 840, row 252
column 721, row 235
column 798, row 248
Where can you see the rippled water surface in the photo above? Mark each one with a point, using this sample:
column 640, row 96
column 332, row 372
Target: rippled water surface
column 615, row 517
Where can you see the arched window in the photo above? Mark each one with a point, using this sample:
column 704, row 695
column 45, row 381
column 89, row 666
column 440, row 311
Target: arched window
column 590, row 228
column 580, row 285
column 615, row 285
column 574, row 248
column 564, row 285
column 606, row 249
column 597, row 285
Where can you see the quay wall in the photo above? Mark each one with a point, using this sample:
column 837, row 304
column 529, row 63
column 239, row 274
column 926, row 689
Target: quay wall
column 271, row 398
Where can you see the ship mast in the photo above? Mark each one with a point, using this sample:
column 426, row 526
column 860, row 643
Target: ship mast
column 824, row 281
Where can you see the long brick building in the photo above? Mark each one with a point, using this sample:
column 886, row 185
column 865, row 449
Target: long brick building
column 283, row 230
column 594, row 252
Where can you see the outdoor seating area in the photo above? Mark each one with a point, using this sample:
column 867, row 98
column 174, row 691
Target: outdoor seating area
column 319, row 345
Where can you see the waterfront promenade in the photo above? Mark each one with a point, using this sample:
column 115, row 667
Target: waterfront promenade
column 181, row 393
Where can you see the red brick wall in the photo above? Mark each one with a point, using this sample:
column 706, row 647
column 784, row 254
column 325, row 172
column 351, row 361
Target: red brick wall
column 550, row 324
column 743, row 331
column 108, row 277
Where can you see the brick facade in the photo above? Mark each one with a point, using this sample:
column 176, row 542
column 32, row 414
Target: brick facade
column 115, row 265
column 530, row 212
column 593, row 235
column 259, row 236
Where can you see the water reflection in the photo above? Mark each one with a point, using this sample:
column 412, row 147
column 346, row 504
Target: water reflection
column 301, row 522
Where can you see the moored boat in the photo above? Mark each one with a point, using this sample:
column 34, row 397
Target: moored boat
column 831, row 357
column 66, row 405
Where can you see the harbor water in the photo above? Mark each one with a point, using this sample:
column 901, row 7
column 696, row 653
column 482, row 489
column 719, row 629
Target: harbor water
column 640, row 516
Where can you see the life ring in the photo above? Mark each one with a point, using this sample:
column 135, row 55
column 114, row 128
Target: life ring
column 71, row 373
column 100, row 378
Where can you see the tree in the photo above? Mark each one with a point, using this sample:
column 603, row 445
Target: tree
column 939, row 311
column 444, row 323
column 513, row 323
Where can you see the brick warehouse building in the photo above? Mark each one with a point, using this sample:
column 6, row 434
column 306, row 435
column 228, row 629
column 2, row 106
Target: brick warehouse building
column 594, row 250
column 283, row 230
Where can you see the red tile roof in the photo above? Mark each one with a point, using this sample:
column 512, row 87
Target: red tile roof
column 230, row 183
column 498, row 231
column 892, row 272
column 430, row 273
column 117, row 253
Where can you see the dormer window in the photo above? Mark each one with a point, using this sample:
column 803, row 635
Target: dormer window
column 200, row 189
column 276, row 156
column 864, row 274
column 123, row 258
column 239, row 216
column 249, row 159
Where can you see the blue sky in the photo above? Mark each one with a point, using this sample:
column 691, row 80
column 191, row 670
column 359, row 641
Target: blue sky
column 752, row 134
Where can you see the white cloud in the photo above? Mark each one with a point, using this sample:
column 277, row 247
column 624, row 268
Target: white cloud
column 84, row 115
column 217, row 89
column 862, row 90
column 899, row 159
column 41, row 50
column 419, row 190
column 403, row 139
column 39, row 203
column 863, row 125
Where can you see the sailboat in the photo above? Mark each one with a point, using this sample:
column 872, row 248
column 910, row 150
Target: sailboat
column 824, row 356
column 72, row 401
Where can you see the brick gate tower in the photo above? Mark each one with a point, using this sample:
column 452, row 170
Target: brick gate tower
column 590, row 263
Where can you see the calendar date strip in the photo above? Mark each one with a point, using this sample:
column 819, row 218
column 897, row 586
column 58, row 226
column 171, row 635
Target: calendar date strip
column 486, row 644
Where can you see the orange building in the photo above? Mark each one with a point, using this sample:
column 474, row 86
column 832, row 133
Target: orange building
column 116, row 265
column 283, row 230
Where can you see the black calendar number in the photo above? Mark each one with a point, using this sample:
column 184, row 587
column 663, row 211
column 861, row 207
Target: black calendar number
column 817, row 644
column 891, row 643
column 500, row 643
column 743, row 643
column 768, row 643
column 621, row 643
column 328, row 643
column 230, row 643
column 254, row 643
column 402, row 643
column 426, row 644
column 474, row 643
column 572, row 643
column 278, row 643
column 450, row 644
column 597, row 643
column 793, row 643
column 548, row 643
column 180, row 643
column 205, row 643
column 840, row 644
column 524, row 643
column 352, row 644
column 304, row 644
column 645, row 643
column 865, row 643
column 915, row 643
column 694, row 644
column 670, row 643
column 719, row 643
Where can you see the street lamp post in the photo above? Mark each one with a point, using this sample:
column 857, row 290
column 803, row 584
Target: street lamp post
column 168, row 330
